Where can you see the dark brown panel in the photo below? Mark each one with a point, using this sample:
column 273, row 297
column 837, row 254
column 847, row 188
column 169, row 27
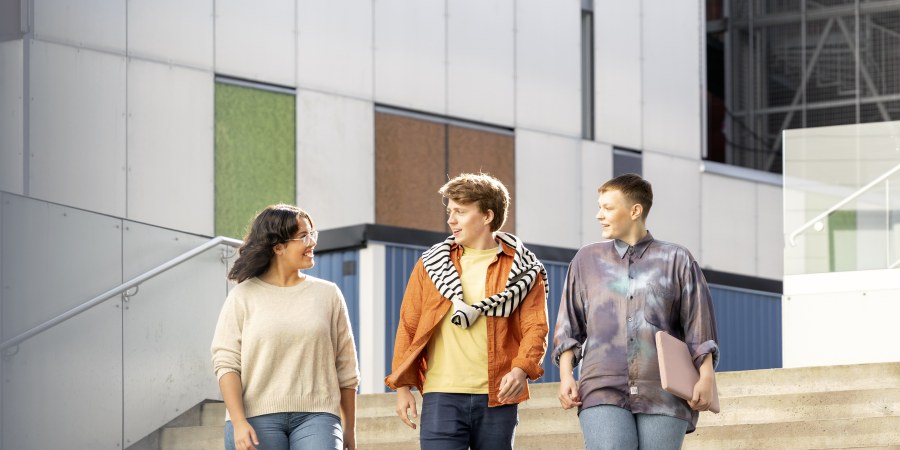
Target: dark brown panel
column 409, row 170
column 475, row 151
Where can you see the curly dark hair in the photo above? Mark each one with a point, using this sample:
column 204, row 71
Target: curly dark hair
column 272, row 226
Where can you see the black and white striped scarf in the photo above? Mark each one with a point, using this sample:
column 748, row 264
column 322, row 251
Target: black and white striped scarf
column 525, row 270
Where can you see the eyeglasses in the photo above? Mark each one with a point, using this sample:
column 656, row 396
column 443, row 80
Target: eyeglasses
column 308, row 238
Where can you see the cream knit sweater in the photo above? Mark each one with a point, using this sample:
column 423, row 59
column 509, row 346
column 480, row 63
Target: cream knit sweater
column 292, row 346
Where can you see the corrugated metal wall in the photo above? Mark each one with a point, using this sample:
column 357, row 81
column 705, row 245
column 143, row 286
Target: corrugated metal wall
column 399, row 263
column 749, row 325
column 749, row 322
column 342, row 269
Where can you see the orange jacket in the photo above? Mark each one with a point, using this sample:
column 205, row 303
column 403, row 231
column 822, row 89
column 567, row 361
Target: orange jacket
column 519, row 340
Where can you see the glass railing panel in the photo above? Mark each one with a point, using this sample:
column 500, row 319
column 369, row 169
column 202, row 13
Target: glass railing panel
column 840, row 198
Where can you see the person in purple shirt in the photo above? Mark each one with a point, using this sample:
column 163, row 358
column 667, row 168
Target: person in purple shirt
column 617, row 295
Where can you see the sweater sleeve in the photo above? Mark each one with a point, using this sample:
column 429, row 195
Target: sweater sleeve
column 226, row 343
column 345, row 349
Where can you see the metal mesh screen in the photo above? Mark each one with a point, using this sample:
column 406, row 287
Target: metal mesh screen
column 800, row 64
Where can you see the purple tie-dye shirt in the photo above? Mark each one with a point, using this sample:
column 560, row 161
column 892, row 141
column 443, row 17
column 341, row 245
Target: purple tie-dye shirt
column 615, row 299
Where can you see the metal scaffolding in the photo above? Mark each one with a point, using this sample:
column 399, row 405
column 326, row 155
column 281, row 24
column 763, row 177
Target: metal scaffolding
column 804, row 63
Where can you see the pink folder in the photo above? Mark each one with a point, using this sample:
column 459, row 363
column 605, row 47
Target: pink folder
column 676, row 369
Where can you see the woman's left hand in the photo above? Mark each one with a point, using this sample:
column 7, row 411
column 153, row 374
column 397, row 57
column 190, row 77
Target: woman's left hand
column 349, row 440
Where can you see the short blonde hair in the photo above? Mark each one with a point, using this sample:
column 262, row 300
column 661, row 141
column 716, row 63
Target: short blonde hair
column 486, row 191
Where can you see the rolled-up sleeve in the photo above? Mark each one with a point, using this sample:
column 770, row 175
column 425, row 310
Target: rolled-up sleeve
column 226, row 343
column 534, row 329
column 570, row 332
column 697, row 316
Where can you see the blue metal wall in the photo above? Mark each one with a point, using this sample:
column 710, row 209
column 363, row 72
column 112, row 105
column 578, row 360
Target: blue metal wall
column 399, row 263
column 749, row 325
column 330, row 266
column 749, row 322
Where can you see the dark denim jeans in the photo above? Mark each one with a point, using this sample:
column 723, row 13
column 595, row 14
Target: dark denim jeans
column 463, row 421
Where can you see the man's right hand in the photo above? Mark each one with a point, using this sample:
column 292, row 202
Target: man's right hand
column 568, row 392
column 406, row 406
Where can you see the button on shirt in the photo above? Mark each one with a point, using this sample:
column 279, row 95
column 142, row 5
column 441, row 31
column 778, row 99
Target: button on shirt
column 616, row 297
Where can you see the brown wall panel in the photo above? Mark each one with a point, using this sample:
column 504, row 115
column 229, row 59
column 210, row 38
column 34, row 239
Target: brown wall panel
column 472, row 150
column 409, row 169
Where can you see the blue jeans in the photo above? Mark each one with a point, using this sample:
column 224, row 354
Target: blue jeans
column 463, row 421
column 607, row 427
column 293, row 431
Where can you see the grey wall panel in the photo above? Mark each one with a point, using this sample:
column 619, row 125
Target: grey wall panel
column 11, row 112
column 76, row 127
column 168, row 327
column 172, row 31
column 63, row 388
column 749, row 326
column 54, row 259
column 98, row 24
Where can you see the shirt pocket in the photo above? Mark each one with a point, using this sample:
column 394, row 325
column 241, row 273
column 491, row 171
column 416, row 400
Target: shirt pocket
column 661, row 304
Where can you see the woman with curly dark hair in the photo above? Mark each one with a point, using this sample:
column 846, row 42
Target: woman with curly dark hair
column 277, row 329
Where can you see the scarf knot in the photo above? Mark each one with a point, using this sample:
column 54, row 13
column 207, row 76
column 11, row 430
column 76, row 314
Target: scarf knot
column 525, row 270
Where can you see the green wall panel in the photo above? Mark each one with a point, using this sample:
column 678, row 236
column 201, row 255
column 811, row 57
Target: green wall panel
column 255, row 154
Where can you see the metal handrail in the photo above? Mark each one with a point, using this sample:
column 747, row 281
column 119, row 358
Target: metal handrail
column 838, row 205
column 122, row 288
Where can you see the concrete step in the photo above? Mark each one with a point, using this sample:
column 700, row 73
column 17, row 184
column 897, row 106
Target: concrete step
column 872, row 432
column 854, row 406
column 209, row 437
column 806, row 406
column 809, row 379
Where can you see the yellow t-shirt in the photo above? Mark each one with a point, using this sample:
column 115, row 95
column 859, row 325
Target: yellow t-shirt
column 458, row 358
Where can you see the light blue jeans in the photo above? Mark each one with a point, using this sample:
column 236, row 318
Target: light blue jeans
column 293, row 431
column 607, row 427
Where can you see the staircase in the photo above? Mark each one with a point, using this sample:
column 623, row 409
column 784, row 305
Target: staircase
column 854, row 406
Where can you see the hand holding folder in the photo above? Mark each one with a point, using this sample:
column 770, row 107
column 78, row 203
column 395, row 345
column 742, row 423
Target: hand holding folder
column 676, row 369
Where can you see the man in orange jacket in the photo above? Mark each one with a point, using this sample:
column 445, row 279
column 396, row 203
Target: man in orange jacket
column 471, row 369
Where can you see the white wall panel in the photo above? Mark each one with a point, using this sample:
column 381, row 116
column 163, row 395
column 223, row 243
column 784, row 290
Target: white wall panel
column 335, row 159
column 548, row 201
column 548, row 66
column 675, row 214
column 672, row 77
column 170, row 146
column 257, row 40
column 596, row 169
column 98, row 24
column 77, row 127
column 480, row 60
column 172, row 31
column 372, row 311
column 729, row 225
column 769, row 234
column 864, row 303
column 334, row 48
column 410, row 55
column 11, row 110
column 617, row 72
